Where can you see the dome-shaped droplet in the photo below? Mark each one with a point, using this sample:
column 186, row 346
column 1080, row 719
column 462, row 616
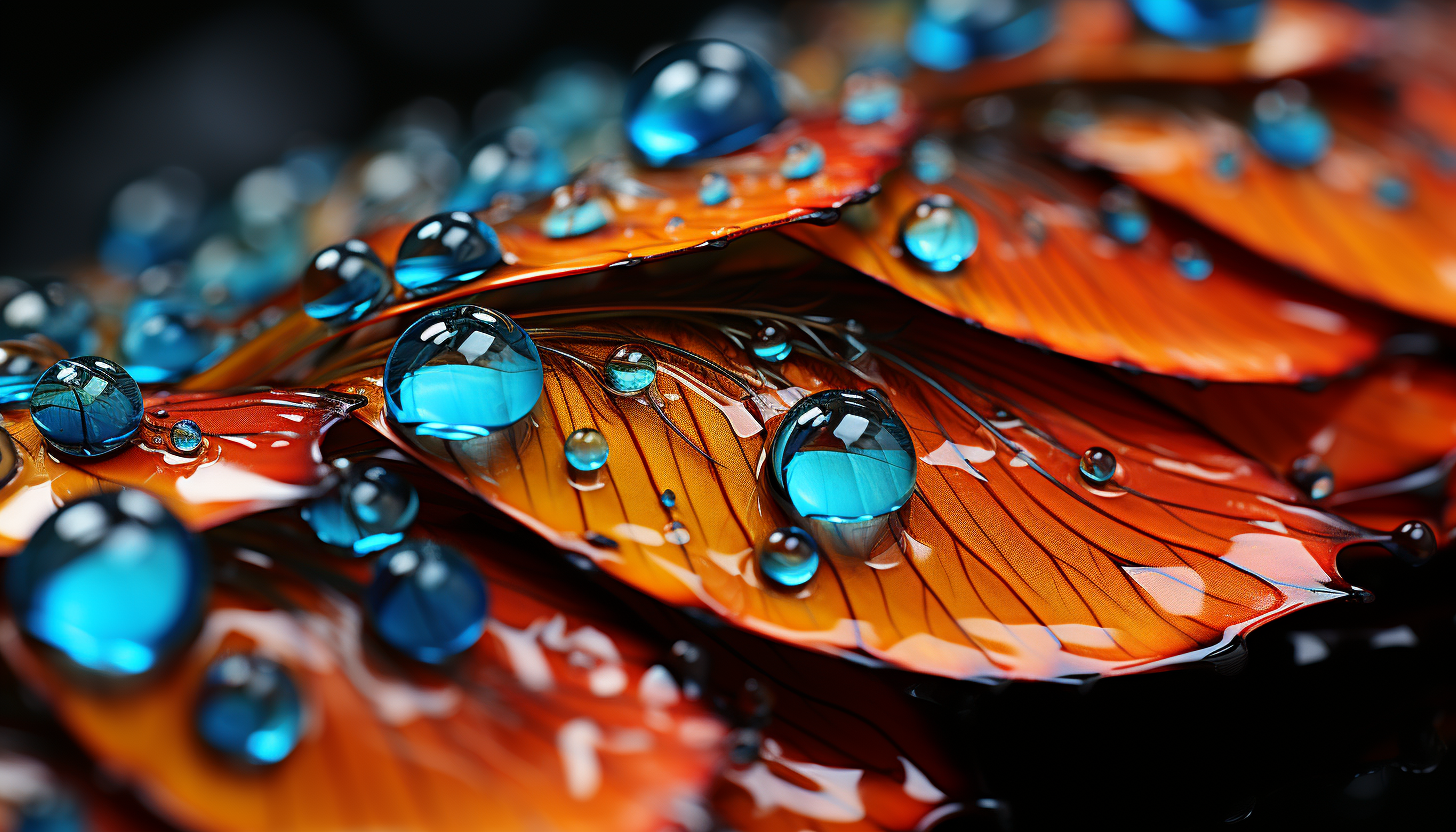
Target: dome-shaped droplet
column 629, row 370
column 426, row 600
column 932, row 161
column 1191, row 260
column 186, row 437
column 53, row 308
column 802, row 159
column 249, row 709
column 1415, row 540
column 21, row 364
column 1201, row 21
column 113, row 582
column 586, row 450
column 1392, row 192
column 86, row 406
column 519, row 162
column 1097, row 465
column 443, row 250
column 788, row 557
column 698, row 99
column 947, row 36
column 1227, row 165
column 1312, row 476
column 667, row 498
column 772, row 343
column 369, row 509
column 869, row 97
column 1287, row 128
column 939, row 234
column 460, row 372
column 164, row 340
column 1123, row 216
column 572, row 218
column 842, row 456
column 714, row 189
column 344, row 282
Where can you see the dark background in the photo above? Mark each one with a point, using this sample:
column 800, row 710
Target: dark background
column 94, row 96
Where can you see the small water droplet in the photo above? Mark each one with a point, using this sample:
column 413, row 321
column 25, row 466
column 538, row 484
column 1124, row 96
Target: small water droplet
column 788, row 557
column 1200, row 21
column 86, row 406
column 668, row 498
column 1415, row 540
column 572, row 218
column 869, row 97
column 843, row 456
column 249, row 709
column 519, row 162
column 772, row 343
column 675, row 223
column 1227, row 165
column 714, row 189
column 932, row 161
column 802, row 159
column 1392, row 192
column 676, row 533
column 426, row 600
column 444, row 250
column 1312, row 476
column 344, row 283
column 586, row 450
column 1191, row 261
column 939, row 234
column 1287, row 129
column 1123, row 215
column 1097, row 465
column 629, row 370
column 186, row 437
column 369, row 509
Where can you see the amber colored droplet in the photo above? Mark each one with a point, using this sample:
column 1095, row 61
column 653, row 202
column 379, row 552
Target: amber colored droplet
column 1414, row 541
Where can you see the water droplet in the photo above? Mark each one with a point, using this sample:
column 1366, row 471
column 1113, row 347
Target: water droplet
column 674, row 223
column 932, row 161
column 629, row 370
column 186, row 437
column 572, row 218
column 676, row 533
column 249, row 709
column 772, row 343
column 869, row 97
column 426, row 601
column 802, row 159
column 1097, row 465
column 460, row 372
column 669, row 499
column 53, row 810
column 788, row 557
column 50, row 307
column 1392, row 192
column 1201, row 21
column 939, row 233
column 1191, row 261
column 344, row 282
column 1415, row 540
column 1227, row 165
column 698, row 99
column 1312, row 476
column 445, row 249
column 113, row 582
column 1287, row 128
column 843, row 456
column 947, row 36
column 586, row 449
column 714, row 189
column 1123, row 215
column 164, row 340
column 86, row 406
column 519, row 161
column 370, row 508
column 21, row 364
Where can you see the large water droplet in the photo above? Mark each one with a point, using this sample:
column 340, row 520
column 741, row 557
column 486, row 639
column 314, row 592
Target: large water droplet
column 1123, row 215
column 572, row 218
column 772, row 343
column 932, row 161
column 939, row 233
column 443, row 250
column 869, row 97
column 249, row 709
column 21, row 364
column 842, row 456
column 164, row 340
column 344, row 282
column 698, row 99
column 1097, row 465
column 714, row 189
column 1312, row 476
column 460, row 372
column 586, row 450
column 1287, row 128
column 50, row 307
column 788, row 557
column 1201, row 21
column 1191, row 260
column 113, row 582
column 86, row 406
column 629, row 370
column 802, row 159
column 426, row 601
column 518, row 162
column 369, row 509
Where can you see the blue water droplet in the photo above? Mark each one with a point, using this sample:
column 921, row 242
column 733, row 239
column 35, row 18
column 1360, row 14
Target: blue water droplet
column 1392, row 192
column 460, row 372
column 1097, row 465
column 629, row 370
column 86, row 406
column 21, row 364
column 426, row 601
column 369, row 509
column 932, row 161
column 937, row 44
column 947, row 36
column 186, row 437
column 113, row 582
column 344, row 283
column 843, row 456
column 1227, row 165
column 50, row 307
column 1201, row 21
column 869, row 97
column 698, row 99
column 802, row 159
column 714, row 189
column 570, row 218
column 1312, row 476
column 772, row 343
column 164, row 340
column 1123, row 215
column 55, row 810
column 586, row 449
column 939, row 233
column 1022, row 26
column 1191, row 261
column 1287, row 128
column 788, row 557
column 668, row 498
column 249, row 709
column 443, row 250
column 519, row 162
